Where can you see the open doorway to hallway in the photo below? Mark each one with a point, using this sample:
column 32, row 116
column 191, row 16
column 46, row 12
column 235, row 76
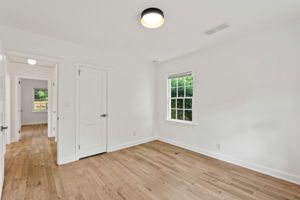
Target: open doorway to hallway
column 34, row 100
column 33, row 93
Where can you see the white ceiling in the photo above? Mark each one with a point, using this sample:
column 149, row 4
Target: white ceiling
column 114, row 25
column 23, row 60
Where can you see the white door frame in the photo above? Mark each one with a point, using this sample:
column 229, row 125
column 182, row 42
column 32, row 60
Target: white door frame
column 92, row 66
column 8, row 106
column 3, row 120
column 57, row 69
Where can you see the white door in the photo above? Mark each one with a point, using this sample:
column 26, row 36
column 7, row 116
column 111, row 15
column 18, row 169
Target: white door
column 2, row 116
column 92, row 114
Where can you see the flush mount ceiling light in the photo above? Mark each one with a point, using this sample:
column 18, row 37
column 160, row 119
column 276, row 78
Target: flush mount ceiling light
column 31, row 61
column 152, row 18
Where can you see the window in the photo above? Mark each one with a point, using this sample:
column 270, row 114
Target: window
column 180, row 99
column 40, row 100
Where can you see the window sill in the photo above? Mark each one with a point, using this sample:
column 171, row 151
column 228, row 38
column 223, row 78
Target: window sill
column 181, row 122
column 39, row 111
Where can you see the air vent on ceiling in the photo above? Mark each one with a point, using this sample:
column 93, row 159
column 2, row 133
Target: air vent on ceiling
column 216, row 29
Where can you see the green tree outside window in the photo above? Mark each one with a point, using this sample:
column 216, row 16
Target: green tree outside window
column 181, row 98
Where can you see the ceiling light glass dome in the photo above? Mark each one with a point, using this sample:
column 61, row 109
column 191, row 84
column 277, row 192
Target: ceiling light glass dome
column 152, row 18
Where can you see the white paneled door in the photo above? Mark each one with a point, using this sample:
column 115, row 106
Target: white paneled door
column 92, row 111
column 2, row 116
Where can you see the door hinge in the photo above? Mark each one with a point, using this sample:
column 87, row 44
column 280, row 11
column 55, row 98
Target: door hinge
column 79, row 72
column 57, row 118
column 19, row 131
column 79, row 146
column 19, row 82
column 53, row 84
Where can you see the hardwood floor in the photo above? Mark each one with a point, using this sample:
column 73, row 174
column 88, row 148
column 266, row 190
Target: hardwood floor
column 155, row 170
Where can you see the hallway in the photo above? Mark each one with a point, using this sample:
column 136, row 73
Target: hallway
column 27, row 165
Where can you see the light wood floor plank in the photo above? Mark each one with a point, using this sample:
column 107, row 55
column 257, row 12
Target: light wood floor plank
column 152, row 171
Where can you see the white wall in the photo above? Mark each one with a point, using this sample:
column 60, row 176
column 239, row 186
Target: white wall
column 29, row 117
column 15, row 71
column 247, row 95
column 130, row 89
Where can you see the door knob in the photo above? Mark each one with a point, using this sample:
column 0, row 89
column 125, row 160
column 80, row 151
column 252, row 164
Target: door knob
column 3, row 128
column 103, row 115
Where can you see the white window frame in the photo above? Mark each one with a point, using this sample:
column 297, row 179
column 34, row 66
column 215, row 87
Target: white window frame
column 33, row 100
column 169, row 98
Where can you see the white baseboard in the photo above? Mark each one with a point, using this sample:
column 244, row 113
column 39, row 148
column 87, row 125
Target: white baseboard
column 33, row 123
column 66, row 160
column 69, row 159
column 14, row 140
column 262, row 169
column 130, row 144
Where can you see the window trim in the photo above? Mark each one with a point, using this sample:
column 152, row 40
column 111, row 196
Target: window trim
column 181, row 122
column 33, row 99
column 168, row 117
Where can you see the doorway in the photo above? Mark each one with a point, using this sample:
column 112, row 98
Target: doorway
column 34, row 92
column 33, row 101
column 35, row 104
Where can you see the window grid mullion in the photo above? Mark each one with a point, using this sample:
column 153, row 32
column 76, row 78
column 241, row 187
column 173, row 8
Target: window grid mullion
column 184, row 89
column 176, row 98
